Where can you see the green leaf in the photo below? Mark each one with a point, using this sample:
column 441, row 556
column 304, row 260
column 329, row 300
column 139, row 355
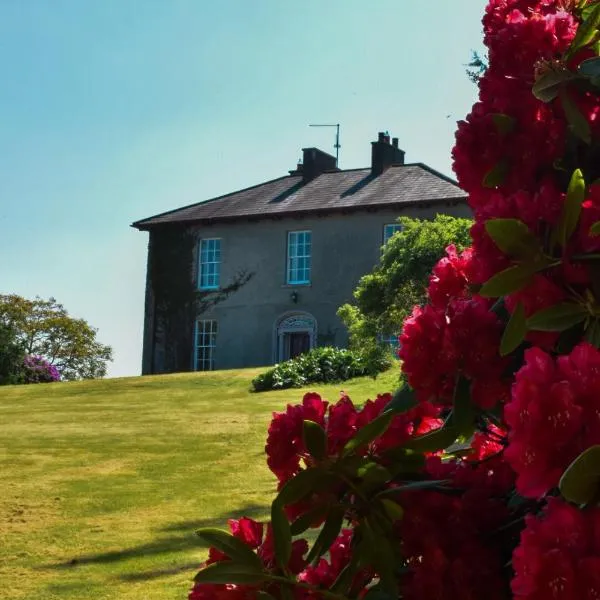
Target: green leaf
column 282, row 535
column 572, row 207
column 436, row 440
column 586, row 31
column 328, row 534
column 229, row 571
column 560, row 317
column 496, row 175
column 415, row 486
column 369, row 432
column 306, row 520
column 578, row 124
column 587, row 10
column 504, row 123
column 392, row 509
column 506, row 282
column 514, row 238
column 315, row 439
column 380, row 553
column 514, row 332
column 463, row 413
column 590, row 68
column 403, row 400
column 595, row 228
column 592, row 333
column 233, row 547
column 262, row 595
column 301, row 485
column 374, row 473
column 580, row 483
column 547, row 86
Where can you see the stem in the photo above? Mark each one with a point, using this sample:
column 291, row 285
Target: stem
column 306, row 586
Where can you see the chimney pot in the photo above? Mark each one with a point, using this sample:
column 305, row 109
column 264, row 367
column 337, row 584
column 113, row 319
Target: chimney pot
column 384, row 154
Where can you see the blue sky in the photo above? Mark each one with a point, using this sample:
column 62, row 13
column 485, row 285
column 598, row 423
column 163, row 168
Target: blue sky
column 114, row 110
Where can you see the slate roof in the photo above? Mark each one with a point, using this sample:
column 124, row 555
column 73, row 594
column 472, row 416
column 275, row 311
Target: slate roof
column 350, row 190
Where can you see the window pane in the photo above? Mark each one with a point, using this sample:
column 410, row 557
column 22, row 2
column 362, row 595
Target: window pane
column 210, row 262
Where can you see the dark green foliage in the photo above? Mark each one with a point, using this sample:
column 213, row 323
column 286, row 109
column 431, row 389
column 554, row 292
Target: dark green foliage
column 387, row 295
column 320, row 365
column 12, row 353
column 177, row 301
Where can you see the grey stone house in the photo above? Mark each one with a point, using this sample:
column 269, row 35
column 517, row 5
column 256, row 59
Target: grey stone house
column 305, row 238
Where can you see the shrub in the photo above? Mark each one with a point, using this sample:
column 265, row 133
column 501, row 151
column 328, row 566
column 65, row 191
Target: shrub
column 320, row 365
column 35, row 369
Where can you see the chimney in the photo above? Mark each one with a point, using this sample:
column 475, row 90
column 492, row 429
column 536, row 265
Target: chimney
column 384, row 154
column 315, row 162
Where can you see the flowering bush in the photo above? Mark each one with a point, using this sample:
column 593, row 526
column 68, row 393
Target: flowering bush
column 36, row 369
column 320, row 365
column 481, row 478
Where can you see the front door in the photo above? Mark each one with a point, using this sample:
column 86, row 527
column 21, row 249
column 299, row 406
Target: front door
column 299, row 343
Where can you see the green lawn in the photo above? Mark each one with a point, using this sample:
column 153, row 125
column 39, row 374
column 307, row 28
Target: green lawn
column 103, row 483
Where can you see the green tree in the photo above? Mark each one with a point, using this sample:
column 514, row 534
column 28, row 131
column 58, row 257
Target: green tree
column 11, row 355
column 387, row 295
column 44, row 328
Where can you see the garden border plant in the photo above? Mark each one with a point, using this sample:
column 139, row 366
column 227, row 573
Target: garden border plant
column 320, row 365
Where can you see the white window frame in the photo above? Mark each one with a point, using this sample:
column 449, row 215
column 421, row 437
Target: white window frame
column 209, row 261
column 389, row 229
column 205, row 344
column 297, row 240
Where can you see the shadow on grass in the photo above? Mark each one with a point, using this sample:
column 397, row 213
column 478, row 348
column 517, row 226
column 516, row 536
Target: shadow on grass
column 185, row 540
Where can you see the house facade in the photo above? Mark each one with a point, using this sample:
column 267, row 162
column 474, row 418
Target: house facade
column 302, row 242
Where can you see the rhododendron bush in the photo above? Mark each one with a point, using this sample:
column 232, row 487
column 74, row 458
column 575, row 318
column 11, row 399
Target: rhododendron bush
column 480, row 479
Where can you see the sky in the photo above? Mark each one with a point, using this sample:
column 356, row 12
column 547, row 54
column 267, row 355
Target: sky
column 115, row 110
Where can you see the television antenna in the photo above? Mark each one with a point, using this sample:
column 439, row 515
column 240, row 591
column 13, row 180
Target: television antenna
column 337, row 138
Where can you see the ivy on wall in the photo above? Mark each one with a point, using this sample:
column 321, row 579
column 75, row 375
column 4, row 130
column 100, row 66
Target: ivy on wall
column 177, row 301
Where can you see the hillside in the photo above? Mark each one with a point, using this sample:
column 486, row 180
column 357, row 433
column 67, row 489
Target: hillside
column 104, row 482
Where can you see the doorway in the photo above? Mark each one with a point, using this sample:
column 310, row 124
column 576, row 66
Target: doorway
column 295, row 335
column 299, row 343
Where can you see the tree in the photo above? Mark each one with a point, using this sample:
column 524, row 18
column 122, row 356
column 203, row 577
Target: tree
column 387, row 295
column 11, row 355
column 44, row 328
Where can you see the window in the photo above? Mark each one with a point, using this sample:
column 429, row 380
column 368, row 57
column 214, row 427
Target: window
column 209, row 276
column 389, row 230
column 206, row 342
column 392, row 341
column 298, row 262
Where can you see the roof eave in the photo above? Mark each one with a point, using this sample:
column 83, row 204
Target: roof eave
column 145, row 226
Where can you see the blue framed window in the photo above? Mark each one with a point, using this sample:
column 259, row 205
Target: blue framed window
column 205, row 344
column 389, row 230
column 299, row 257
column 209, row 275
column 391, row 341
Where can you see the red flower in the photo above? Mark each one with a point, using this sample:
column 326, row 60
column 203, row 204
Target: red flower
column 450, row 277
column 559, row 555
column 552, row 416
column 437, row 344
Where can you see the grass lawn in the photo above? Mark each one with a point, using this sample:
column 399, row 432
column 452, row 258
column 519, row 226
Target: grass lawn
column 103, row 483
